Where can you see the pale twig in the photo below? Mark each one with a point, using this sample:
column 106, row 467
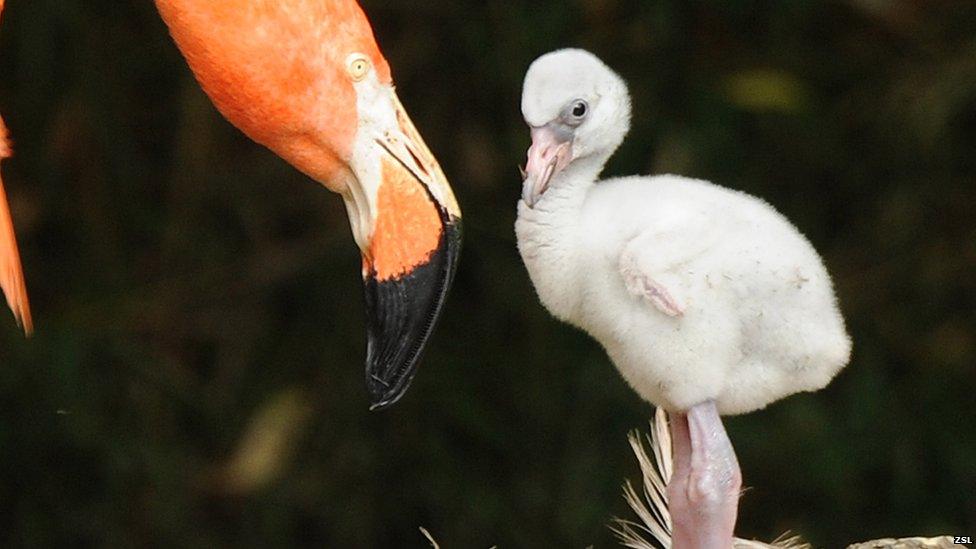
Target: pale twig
column 429, row 537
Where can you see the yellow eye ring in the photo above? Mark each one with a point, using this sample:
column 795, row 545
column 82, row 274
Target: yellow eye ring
column 358, row 66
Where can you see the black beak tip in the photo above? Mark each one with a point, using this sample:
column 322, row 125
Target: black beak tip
column 384, row 394
column 385, row 401
column 401, row 315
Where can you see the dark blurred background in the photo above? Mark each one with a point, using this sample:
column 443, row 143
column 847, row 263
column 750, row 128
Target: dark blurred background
column 196, row 378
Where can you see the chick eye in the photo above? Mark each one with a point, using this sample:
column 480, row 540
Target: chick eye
column 358, row 66
column 579, row 109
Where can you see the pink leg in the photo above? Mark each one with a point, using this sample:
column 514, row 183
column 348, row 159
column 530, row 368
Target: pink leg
column 704, row 490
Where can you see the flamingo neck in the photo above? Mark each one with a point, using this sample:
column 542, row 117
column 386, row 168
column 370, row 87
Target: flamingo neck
column 549, row 236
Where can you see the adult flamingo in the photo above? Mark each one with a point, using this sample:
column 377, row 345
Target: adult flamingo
column 306, row 79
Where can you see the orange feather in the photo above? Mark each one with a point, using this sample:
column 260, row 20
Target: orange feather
column 11, row 273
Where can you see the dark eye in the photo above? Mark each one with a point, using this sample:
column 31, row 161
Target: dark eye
column 579, row 109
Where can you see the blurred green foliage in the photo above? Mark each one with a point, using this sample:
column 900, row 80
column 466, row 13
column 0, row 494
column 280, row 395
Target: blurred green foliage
column 196, row 377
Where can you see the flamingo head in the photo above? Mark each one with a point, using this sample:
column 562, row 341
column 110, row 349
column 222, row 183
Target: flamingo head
column 306, row 79
column 578, row 112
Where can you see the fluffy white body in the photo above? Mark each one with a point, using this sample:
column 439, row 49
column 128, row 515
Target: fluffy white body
column 697, row 292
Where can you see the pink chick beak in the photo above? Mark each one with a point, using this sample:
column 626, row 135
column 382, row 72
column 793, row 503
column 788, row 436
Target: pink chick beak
column 549, row 154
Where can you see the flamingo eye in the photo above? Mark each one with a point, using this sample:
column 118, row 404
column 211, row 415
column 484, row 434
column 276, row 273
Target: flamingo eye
column 579, row 109
column 358, row 66
column 575, row 113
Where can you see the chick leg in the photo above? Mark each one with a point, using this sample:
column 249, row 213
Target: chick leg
column 704, row 490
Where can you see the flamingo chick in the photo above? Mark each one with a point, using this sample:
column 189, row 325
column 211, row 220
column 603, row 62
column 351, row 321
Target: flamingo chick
column 708, row 301
column 306, row 79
